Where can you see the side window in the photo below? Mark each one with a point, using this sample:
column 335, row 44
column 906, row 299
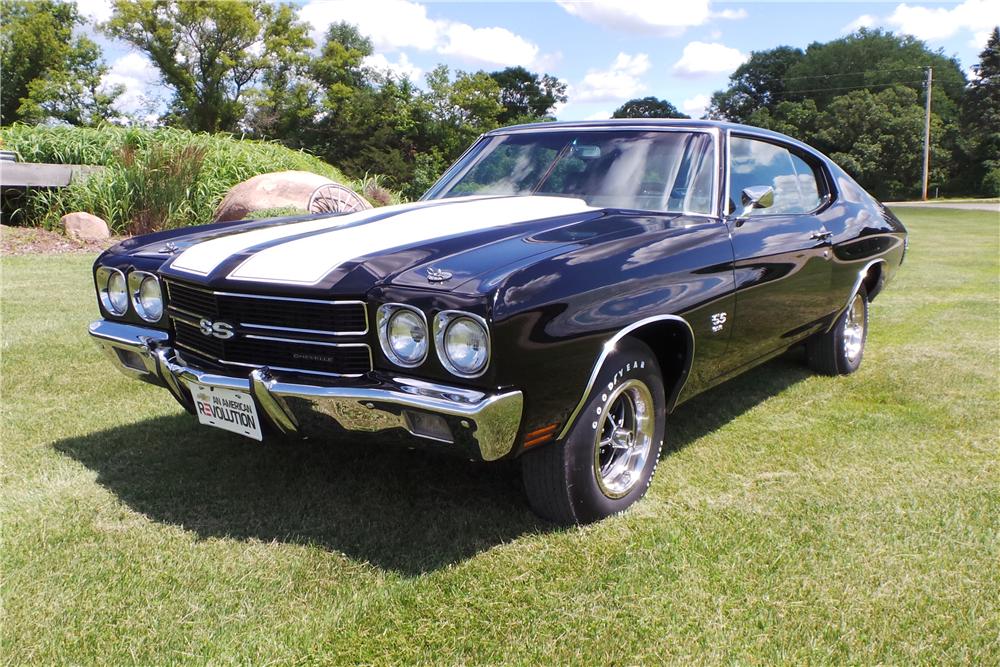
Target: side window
column 754, row 162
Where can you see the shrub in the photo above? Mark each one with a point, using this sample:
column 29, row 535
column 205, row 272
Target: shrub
column 154, row 179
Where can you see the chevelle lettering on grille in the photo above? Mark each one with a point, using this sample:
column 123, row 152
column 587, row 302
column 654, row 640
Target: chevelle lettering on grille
column 552, row 298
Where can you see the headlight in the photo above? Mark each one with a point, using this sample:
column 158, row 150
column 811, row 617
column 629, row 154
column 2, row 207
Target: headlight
column 403, row 334
column 147, row 296
column 463, row 342
column 112, row 290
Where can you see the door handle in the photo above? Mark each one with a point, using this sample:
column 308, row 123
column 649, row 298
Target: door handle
column 820, row 236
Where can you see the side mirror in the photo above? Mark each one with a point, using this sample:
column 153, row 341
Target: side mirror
column 757, row 196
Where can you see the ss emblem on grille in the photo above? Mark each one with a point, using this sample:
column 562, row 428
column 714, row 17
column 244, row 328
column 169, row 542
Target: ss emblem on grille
column 221, row 330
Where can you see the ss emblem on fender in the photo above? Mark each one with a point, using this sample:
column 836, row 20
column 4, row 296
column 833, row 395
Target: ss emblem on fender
column 221, row 330
column 718, row 321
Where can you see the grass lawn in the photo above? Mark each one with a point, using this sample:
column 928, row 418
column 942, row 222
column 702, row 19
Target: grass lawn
column 795, row 519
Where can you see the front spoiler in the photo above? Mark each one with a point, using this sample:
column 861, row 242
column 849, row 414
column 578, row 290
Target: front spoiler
column 485, row 424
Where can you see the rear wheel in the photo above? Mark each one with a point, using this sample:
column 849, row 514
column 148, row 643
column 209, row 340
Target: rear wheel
column 840, row 350
column 607, row 460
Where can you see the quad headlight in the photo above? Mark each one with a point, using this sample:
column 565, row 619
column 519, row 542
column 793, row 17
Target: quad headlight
column 463, row 342
column 147, row 295
column 112, row 289
column 402, row 332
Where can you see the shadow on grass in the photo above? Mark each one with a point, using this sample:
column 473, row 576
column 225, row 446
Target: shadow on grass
column 371, row 498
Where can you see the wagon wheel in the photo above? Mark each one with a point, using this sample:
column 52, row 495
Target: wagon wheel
column 335, row 198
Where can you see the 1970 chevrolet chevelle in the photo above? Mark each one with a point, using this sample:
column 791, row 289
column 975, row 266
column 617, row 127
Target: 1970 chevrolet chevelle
column 555, row 295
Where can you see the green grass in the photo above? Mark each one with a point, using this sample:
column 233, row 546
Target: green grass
column 797, row 519
column 155, row 179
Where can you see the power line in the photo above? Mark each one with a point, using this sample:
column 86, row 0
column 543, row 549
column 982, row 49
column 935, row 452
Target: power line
column 859, row 87
column 867, row 71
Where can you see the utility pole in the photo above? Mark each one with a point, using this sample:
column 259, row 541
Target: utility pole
column 927, row 132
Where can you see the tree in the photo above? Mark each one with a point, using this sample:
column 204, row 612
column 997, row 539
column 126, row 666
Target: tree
column 47, row 71
column 759, row 83
column 527, row 96
column 647, row 107
column 981, row 119
column 287, row 99
column 210, row 53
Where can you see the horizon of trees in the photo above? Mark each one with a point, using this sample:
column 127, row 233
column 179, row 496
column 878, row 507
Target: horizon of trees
column 252, row 68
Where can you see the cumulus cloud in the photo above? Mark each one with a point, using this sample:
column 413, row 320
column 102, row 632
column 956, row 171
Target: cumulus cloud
column 598, row 115
column 96, row 11
column 402, row 24
column 618, row 82
column 696, row 106
column 402, row 68
column 699, row 58
column 141, row 81
column 647, row 16
column 497, row 46
column 935, row 23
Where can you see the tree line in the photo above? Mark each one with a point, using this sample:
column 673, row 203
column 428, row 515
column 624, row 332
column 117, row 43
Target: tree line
column 252, row 68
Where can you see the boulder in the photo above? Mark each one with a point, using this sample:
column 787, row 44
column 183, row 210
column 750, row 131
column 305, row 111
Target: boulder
column 279, row 189
column 85, row 227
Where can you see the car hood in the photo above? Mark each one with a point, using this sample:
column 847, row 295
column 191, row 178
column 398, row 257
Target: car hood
column 458, row 238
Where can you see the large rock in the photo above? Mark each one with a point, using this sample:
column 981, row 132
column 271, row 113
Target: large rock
column 85, row 227
column 280, row 189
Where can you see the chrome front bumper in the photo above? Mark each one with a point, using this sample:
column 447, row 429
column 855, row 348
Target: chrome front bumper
column 485, row 424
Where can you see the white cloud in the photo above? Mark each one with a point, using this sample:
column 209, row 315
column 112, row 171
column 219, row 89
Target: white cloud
column 647, row 16
column 402, row 68
column 696, row 106
column 935, row 23
column 863, row 21
column 141, row 81
column 701, row 58
column 402, row 24
column 618, row 82
column 496, row 46
column 599, row 115
column 96, row 11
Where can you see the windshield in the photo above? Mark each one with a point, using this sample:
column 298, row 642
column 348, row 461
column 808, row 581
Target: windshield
column 647, row 170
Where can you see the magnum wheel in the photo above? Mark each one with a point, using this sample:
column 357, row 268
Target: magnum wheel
column 840, row 350
column 607, row 460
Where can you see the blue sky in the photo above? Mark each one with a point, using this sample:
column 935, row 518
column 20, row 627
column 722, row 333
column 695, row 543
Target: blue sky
column 607, row 51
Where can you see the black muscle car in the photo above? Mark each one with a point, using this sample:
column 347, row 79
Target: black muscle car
column 558, row 292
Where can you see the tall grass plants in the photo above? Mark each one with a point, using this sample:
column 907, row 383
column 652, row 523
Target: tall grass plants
column 153, row 178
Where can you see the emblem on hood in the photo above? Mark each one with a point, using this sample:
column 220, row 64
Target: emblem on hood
column 438, row 275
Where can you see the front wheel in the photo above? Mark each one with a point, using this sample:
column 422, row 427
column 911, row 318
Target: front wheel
column 840, row 350
column 607, row 460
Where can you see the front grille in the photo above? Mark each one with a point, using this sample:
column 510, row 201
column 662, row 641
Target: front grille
column 287, row 334
column 338, row 318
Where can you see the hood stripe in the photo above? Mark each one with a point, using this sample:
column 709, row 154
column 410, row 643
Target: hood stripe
column 204, row 257
column 307, row 260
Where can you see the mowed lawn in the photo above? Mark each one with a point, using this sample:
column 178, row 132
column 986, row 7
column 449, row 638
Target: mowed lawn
column 796, row 518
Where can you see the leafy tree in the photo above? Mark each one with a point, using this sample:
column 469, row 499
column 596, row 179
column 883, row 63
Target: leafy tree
column 47, row 71
column 759, row 83
column 647, row 107
column 287, row 99
column 981, row 119
column 210, row 53
column 875, row 59
column 527, row 96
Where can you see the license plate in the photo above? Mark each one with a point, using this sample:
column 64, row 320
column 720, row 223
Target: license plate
column 228, row 409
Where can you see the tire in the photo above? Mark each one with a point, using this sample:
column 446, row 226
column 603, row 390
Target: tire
column 606, row 462
column 840, row 350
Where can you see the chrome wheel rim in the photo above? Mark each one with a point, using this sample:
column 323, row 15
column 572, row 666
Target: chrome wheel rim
column 854, row 329
column 624, row 438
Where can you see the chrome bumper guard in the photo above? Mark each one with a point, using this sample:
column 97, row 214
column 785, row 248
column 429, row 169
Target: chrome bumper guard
column 485, row 424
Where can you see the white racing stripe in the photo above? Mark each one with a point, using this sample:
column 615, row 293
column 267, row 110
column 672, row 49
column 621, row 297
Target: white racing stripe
column 202, row 258
column 306, row 261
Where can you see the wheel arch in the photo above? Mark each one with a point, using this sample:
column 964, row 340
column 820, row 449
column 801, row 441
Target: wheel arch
column 671, row 340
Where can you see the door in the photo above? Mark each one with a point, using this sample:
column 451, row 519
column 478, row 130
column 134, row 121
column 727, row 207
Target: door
column 782, row 252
